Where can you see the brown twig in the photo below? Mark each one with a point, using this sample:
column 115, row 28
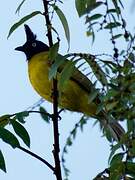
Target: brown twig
column 55, row 116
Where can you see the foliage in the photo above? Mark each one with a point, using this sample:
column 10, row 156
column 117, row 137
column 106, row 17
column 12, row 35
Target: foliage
column 114, row 79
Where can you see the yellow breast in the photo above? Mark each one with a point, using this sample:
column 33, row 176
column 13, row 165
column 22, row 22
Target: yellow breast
column 38, row 70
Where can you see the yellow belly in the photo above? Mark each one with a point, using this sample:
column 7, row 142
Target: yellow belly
column 72, row 97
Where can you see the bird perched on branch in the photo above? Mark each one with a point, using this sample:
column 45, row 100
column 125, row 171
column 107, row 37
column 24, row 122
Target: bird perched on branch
column 77, row 90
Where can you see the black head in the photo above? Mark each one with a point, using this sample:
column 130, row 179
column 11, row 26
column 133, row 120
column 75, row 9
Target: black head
column 32, row 46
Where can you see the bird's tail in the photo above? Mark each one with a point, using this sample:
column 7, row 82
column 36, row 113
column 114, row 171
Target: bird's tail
column 116, row 130
column 110, row 125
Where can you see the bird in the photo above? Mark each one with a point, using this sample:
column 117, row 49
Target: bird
column 77, row 90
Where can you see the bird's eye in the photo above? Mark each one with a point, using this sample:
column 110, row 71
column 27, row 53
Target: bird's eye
column 34, row 44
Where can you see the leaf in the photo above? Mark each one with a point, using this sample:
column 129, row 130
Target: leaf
column 130, row 167
column 117, row 158
column 113, row 150
column 111, row 105
column 53, row 52
column 64, row 23
column 131, row 57
column 4, row 120
column 112, row 11
column 73, row 133
column 59, row 60
column 21, row 116
column 80, row 7
column 2, row 162
column 19, row 7
column 91, row 5
column 24, row 19
column 9, row 138
column 97, row 70
column 85, row 6
column 66, row 74
column 83, row 121
column 112, row 25
column 44, row 114
column 69, row 142
column 94, row 17
column 21, row 132
column 117, row 36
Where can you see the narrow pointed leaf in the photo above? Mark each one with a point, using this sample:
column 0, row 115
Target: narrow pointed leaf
column 112, row 25
column 44, row 114
column 97, row 70
column 9, row 138
column 59, row 60
column 21, row 132
column 64, row 23
column 21, row 116
column 80, row 7
column 24, row 19
column 53, row 52
column 85, row 6
column 19, row 7
column 66, row 74
column 2, row 162
column 4, row 120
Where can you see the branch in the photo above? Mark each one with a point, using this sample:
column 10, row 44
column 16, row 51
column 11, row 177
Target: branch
column 55, row 102
column 37, row 157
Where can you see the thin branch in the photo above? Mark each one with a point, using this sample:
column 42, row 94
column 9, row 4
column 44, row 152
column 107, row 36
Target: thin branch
column 40, row 112
column 37, row 157
column 55, row 116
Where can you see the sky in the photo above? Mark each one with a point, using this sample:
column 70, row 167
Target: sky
column 89, row 153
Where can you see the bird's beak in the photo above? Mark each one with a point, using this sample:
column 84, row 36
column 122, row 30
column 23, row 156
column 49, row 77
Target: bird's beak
column 20, row 48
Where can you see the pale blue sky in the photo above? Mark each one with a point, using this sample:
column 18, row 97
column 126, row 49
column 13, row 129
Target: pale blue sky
column 90, row 151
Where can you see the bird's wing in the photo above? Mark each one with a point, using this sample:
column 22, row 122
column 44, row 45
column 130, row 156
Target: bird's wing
column 79, row 78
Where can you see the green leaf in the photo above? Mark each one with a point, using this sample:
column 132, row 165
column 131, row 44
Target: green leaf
column 97, row 70
column 91, row 5
column 64, row 23
column 21, row 116
column 130, row 125
column 112, row 11
column 80, row 7
column 9, row 138
column 2, row 162
column 117, row 158
column 112, row 25
column 130, row 167
column 44, row 114
column 21, row 132
column 94, row 17
column 53, row 52
column 113, row 150
column 110, row 106
column 69, row 142
column 117, row 36
column 73, row 133
column 19, row 7
column 85, row 6
column 83, row 121
column 59, row 60
column 4, row 120
column 66, row 73
column 131, row 57
column 19, row 23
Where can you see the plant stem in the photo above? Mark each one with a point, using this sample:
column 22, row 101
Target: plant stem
column 37, row 157
column 55, row 116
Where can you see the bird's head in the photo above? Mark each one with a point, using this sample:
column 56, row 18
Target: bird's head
column 32, row 45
